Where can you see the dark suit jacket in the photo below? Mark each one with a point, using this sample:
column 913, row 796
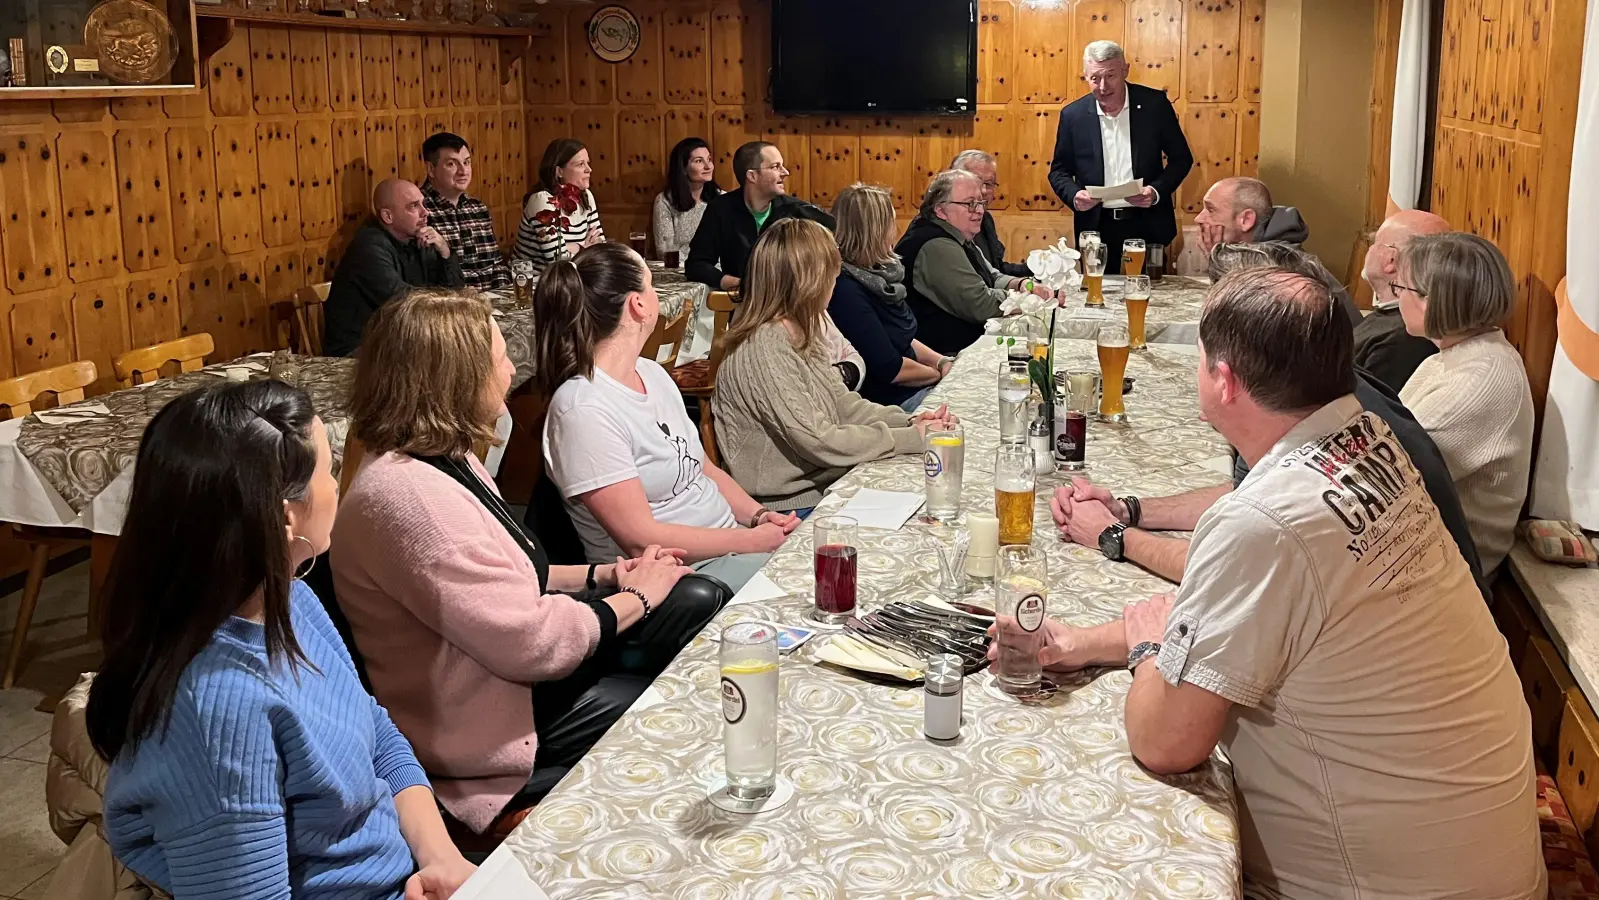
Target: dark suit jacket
column 1160, row 157
column 727, row 234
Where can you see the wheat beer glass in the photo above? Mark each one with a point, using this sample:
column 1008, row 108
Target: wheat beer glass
column 1113, row 349
column 1092, row 249
column 1014, row 483
column 1132, row 257
column 1136, row 296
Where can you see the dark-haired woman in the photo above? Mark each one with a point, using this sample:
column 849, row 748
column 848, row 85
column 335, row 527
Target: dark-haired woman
column 246, row 759
column 619, row 443
column 690, row 183
column 562, row 193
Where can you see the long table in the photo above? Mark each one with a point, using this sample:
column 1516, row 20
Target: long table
column 1035, row 799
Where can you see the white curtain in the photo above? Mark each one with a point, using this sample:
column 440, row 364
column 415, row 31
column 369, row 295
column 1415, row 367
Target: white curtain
column 1566, row 476
column 1408, row 140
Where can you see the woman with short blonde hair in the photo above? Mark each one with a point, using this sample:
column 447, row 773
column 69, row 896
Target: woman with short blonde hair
column 868, row 302
column 1472, row 396
column 787, row 426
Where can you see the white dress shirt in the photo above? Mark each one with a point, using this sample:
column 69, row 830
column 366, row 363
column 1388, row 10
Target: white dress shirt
column 1116, row 142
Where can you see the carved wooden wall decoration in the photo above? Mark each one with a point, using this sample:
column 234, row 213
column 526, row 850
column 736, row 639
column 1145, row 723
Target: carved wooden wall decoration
column 702, row 71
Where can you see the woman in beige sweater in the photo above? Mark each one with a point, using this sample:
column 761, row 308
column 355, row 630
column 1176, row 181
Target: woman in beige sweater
column 786, row 425
column 1472, row 397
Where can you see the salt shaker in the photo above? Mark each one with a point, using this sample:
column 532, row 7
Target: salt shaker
column 1040, row 440
column 941, row 708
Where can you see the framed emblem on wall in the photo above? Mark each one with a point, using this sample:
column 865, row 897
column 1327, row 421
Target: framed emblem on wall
column 613, row 33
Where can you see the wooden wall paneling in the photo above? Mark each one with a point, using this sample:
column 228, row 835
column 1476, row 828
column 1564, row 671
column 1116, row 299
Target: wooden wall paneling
column 344, row 70
column 1251, row 47
column 278, row 162
column 639, row 156
column 1211, row 73
column 186, row 106
column 1473, row 152
column 463, row 71
column 486, row 70
column 1048, row 60
column 596, row 128
column 728, row 54
column 230, row 77
column 513, row 157
column 436, row 71
column 835, row 162
column 201, row 307
column 245, row 302
column 994, row 131
column 354, row 187
column 545, row 68
column 1507, row 88
column 308, row 66
column 88, row 203
column 1249, row 141
column 888, row 158
column 1448, row 56
column 408, row 137
column 1035, row 143
column 437, row 120
column 1212, row 132
column 1035, row 232
column 29, row 189
column 313, row 141
column 377, row 71
column 271, row 70
column 99, row 327
column 1490, row 52
column 996, row 50
column 488, row 173
column 316, row 264
column 41, row 332
column 685, row 66
column 684, row 122
column 1526, row 174
column 1380, row 113
column 382, row 153
column 938, row 139
column 791, row 136
column 542, row 126
column 79, row 112
column 128, row 109
column 511, row 84
column 144, row 203
column 238, row 188
column 463, row 124
column 1466, row 61
column 730, row 129
column 153, row 310
column 408, row 70
column 1096, row 20
column 283, row 273
column 1534, row 53
column 589, row 77
column 638, row 78
column 1155, row 44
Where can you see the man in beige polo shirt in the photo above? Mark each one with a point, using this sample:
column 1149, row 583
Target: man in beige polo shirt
column 1328, row 635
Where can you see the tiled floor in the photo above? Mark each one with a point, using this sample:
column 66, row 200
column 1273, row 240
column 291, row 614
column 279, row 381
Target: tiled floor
column 58, row 650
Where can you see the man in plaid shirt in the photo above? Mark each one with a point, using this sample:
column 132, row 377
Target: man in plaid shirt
column 463, row 221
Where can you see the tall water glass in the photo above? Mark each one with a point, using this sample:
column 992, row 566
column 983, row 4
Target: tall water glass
column 836, row 539
column 1021, row 598
column 1015, row 389
column 1015, row 480
column 944, row 464
column 1113, row 350
column 1132, row 256
column 1092, row 249
column 1136, row 296
column 749, row 709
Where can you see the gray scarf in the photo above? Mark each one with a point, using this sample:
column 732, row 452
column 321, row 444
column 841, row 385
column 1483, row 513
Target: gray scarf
column 886, row 280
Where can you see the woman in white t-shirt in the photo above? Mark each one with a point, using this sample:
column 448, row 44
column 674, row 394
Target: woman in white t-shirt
column 618, row 442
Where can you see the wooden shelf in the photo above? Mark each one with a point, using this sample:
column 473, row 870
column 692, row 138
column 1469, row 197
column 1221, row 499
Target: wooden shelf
column 95, row 92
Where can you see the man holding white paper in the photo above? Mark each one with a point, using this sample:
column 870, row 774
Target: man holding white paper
column 1120, row 156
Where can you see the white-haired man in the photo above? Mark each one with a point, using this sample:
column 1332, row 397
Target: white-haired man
column 1113, row 134
column 986, row 168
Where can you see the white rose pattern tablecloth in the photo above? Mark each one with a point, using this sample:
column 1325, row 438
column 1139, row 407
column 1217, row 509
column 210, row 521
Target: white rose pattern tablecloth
column 1034, row 800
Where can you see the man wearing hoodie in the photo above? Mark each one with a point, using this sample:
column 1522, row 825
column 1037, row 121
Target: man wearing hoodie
column 1239, row 211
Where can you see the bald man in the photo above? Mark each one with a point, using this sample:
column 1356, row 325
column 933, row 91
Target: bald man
column 1239, row 210
column 1382, row 346
column 394, row 251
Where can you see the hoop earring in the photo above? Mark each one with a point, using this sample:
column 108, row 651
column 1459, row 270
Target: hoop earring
column 298, row 575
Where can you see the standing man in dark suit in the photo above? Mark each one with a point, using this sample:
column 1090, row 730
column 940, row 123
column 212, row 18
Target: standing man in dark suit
column 1116, row 133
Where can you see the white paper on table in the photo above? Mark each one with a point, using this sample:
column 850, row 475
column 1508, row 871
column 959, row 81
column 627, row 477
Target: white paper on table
column 757, row 590
column 501, row 877
column 886, row 510
column 1219, row 464
column 70, row 414
column 1091, row 312
column 1117, row 191
column 650, row 697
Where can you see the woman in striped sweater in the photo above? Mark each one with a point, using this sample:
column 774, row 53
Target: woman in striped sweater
column 564, row 170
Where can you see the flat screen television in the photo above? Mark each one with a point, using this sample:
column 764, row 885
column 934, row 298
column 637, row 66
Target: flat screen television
column 874, row 56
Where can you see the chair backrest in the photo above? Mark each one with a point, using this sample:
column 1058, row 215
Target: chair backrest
column 143, row 365
column 721, row 305
column 65, row 382
column 305, row 332
column 668, row 335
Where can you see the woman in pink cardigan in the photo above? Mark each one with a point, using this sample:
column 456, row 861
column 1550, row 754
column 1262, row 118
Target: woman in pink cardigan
column 501, row 669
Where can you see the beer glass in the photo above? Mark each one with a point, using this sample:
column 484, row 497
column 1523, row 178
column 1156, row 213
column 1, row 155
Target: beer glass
column 1015, row 389
column 1113, row 351
column 1132, row 257
column 836, row 538
column 749, row 709
column 1092, row 249
column 1021, row 600
column 1038, row 338
column 1014, row 483
column 1136, row 296
column 944, row 464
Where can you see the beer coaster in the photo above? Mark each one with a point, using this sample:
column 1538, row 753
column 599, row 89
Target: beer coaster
column 1046, row 690
column 781, row 794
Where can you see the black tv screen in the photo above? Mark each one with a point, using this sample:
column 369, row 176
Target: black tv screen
column 874, row 56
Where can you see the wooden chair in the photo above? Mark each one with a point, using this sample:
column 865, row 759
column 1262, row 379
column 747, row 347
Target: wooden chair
column 17, row 396
column 698, row 379
column 299, row 320
column 143, row 365
column 668, row 335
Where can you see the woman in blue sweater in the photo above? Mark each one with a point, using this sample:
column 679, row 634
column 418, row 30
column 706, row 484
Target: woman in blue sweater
column 246, row 759
column 868, row 303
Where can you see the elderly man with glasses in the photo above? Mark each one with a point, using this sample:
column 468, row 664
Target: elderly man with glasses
column 1382, row 346
column 951, row 286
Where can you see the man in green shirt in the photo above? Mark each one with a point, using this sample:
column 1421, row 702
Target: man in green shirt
column 735, row 220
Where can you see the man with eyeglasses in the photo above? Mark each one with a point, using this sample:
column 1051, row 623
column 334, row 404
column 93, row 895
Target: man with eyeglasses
column 1382, row 346
column 986, row 168
column 733, row 221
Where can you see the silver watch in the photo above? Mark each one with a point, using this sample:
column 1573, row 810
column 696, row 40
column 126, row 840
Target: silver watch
column 1142, row 652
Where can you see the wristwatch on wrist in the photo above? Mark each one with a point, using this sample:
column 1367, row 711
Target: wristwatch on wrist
column 1110, row 542
column 589, row 582
column 1142, row 652
column 1135, row 510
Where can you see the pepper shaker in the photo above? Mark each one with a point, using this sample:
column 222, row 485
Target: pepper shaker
column 941, row 706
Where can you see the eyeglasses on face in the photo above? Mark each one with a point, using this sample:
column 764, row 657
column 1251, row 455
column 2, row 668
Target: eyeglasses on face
column 971, row 205
column 1395, row 287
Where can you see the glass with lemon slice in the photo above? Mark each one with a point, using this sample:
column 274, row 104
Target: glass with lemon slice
column 944, row 464
column 749, row 709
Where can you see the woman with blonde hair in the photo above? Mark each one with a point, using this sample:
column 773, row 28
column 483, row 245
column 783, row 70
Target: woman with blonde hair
column 868, row 303
column 787, row 426
column 500, row 668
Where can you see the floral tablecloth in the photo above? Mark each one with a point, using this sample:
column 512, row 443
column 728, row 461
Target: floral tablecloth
column 1034, row 800
column 1173, row 316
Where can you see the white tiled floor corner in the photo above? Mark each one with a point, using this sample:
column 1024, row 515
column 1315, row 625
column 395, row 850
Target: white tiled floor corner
column 58, row 649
